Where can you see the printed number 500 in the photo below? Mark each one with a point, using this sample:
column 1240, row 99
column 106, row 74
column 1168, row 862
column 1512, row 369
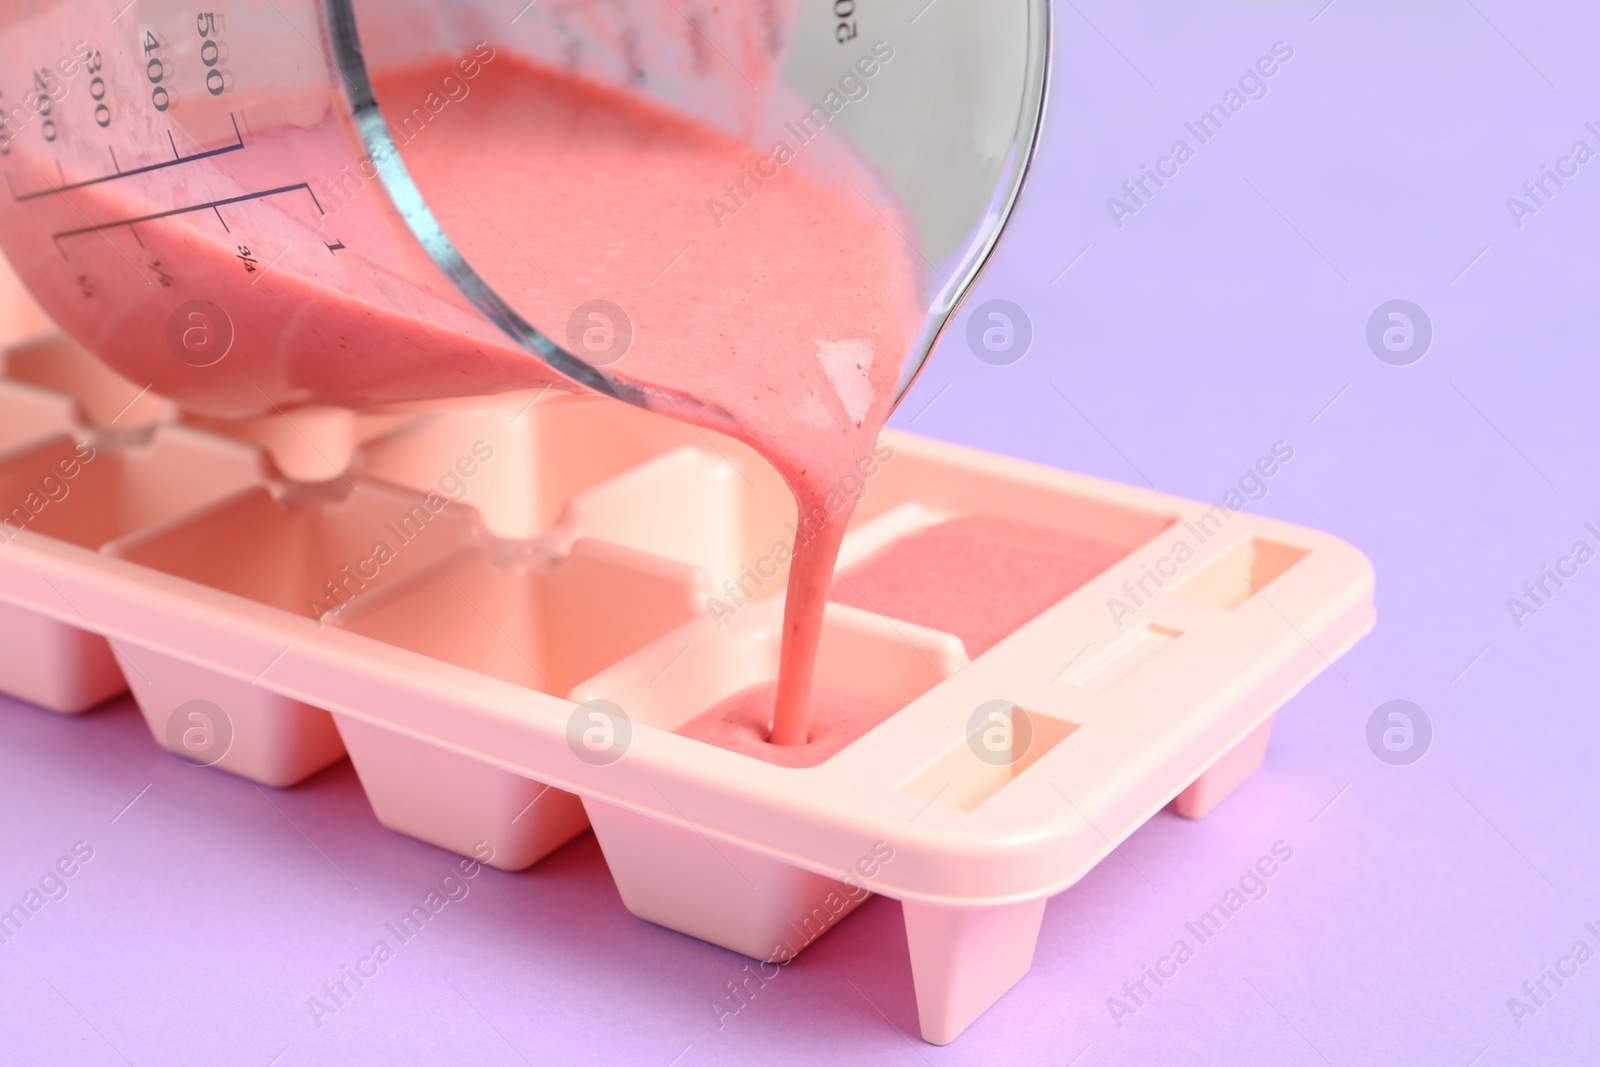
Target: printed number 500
column 844, row 11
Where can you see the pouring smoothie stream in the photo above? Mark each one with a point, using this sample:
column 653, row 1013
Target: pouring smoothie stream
column 702, row 181
column 791, row 345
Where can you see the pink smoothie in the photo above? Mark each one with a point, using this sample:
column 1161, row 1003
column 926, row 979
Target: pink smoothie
column 784, row 324
column 977, row 577
column 787, row 322
column 740, row 724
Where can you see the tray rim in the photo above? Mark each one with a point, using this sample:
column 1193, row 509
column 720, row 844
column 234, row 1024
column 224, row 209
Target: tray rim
column 799, row 817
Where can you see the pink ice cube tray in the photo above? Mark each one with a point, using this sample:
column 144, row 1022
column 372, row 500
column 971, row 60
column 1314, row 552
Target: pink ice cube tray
column 501, row 615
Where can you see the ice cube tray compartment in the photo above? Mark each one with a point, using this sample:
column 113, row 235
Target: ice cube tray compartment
column 67, row 489
column 452, row 668
column 308, row 443
column 107, row 491
column 528, row 453
column 699, row 665
column 104, row 399
column 732, row 896
column 20, row 316
column 313, row 554
column 538, row 622
column 310, row 555
column 29, row 414
column 698, row 505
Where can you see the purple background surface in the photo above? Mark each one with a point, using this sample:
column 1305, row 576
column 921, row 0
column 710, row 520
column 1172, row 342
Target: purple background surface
column 1228, row 313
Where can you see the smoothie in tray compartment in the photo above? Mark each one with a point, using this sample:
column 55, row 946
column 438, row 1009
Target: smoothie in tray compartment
column 742, row 723
column 785, row 327
column 979, row 577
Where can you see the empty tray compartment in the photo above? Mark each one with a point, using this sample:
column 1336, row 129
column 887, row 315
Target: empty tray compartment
column 694, row 669
column 105, row 399
column 28, row 415
column 520, row 458
column 87, row 495
column 728, row 514
column 1241, row 572
column 309, row 555
column 722, row 893
column 540, row 623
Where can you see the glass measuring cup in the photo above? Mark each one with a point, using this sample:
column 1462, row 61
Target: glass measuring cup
column 214, row 196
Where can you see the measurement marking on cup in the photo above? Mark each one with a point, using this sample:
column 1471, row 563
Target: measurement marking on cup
column 272, row 264
column 209, row 205
column 163, row 165
column 131, row 265
column 694, row 26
